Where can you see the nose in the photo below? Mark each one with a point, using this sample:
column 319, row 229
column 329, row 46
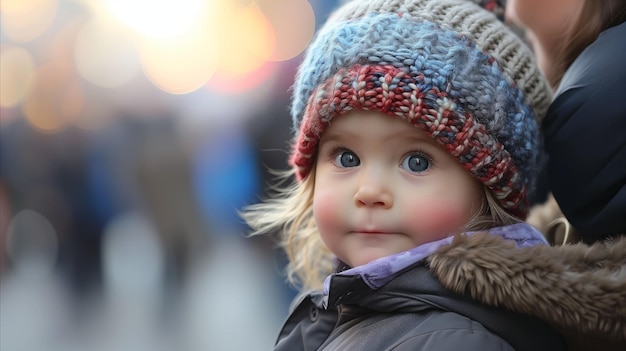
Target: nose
column 373, row 192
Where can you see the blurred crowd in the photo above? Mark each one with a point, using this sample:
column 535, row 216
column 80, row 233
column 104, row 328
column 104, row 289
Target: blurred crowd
column 131, row 133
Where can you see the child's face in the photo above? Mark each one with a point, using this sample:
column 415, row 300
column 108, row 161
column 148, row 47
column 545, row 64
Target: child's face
column 383, row 187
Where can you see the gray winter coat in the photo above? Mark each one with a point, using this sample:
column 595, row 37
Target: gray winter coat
column 479, row 293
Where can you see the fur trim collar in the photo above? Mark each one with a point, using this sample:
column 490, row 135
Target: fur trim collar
column 579, row 289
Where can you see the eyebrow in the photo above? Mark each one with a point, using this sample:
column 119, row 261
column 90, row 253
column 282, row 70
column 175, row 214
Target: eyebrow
column 336, row 137
column 412, row 137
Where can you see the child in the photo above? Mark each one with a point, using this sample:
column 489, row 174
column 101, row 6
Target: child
column 416, row 144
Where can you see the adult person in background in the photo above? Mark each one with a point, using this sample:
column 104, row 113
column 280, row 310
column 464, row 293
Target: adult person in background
column 581, row 47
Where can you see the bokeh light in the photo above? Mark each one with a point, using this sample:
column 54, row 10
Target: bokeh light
column 26, row 20
column 157, row 19
column 105, row 109
column 105, row 55
column 43, row 108
column 17, row 67
column 32, row 242
column 179, row 46
column 247, row 39
column 293, row 32
column 180, row 65
column 232, row 84
column 132, row 254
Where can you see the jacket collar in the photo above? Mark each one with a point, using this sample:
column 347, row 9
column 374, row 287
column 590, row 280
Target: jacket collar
column 578, row 289
column 379, row 272
column 416, row 290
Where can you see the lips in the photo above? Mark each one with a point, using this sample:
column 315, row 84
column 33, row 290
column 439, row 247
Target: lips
column 372, row 232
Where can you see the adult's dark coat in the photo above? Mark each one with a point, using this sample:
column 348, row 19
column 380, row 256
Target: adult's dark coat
column 585, row 138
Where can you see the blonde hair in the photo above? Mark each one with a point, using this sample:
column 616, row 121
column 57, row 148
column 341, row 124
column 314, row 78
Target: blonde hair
column 289, row 212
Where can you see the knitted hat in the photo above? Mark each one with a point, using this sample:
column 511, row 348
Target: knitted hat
column 448, row 67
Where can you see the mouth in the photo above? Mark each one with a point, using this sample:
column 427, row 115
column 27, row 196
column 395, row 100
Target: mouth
column 372, row 232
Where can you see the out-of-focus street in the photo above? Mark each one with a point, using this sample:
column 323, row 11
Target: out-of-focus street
column 131, row 133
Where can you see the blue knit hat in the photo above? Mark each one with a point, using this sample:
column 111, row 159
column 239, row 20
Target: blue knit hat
column 448, row 67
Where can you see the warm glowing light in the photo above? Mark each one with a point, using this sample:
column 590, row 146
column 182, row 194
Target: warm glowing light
column 57, row 97
column 156, row 18
column 42, row 113
column 183, row 64
column 59, row 51
column 25, row 20
column 42, row 108
column 104, row 54
column 238, row 84
column 294, row 26
column 16, row 75
column 247, row 40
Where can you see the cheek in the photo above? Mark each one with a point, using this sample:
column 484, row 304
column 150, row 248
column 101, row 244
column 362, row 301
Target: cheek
column 327, row 210
column 439, row 218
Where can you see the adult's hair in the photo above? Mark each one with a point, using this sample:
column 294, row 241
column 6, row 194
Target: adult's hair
column 595, row 17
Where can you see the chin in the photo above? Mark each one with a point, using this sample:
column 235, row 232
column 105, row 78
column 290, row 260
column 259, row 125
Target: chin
column 359, row 261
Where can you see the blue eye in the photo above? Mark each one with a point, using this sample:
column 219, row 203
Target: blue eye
column 347, row 159
column 415, row 163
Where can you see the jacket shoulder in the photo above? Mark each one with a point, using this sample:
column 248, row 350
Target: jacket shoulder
column 414, row 331
column 308, row 324
column 451, row 331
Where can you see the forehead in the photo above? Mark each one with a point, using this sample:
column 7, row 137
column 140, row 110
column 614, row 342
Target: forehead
column 371, row 124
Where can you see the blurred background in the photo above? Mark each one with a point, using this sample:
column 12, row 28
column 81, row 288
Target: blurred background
column 131, row 131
